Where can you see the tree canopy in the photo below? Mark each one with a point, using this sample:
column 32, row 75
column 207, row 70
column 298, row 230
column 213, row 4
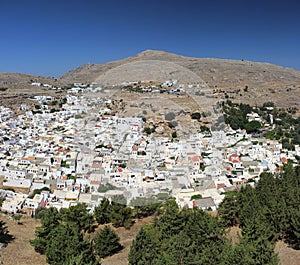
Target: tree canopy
column 64, row 237
column 106, row 243
column 267, row 212
column 192, row 236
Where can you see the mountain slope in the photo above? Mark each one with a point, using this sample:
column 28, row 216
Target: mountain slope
column 218, row 72
column 238, row 80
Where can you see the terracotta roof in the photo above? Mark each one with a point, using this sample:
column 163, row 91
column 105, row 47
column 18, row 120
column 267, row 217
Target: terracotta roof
column 284, row 160
column 30, row 158
column 97, row 165
column 95, row 182
column 234, row 158
column 195, row 158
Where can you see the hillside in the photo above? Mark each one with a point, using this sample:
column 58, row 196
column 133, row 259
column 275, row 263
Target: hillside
column 15, row 85
column 264, row 81
column 15, row 79
column 241, row 81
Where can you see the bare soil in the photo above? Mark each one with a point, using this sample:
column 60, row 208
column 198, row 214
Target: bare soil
column 234, row 233
column 126, row 238
column 264, row 81
column 19, row 251
column 286, row 254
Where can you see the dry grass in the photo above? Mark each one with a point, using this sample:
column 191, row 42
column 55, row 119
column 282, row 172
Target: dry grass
column 126, row 238
column 287, row 255
column 19, row 251
column 234, row 233
column 266, row 82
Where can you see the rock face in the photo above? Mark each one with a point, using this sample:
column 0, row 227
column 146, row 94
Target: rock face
column 237, row 80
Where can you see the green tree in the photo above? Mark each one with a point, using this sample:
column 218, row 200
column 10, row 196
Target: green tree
column 294, row 228
column 145, row 247
column 196, row 116
column 228, row 210
column 144, row 207
column 181, row 251
column 121, row 215
column 66, row 242
column 251, row 253
column 252, row 126
column 50, row 219
column 80, row 216
column 174, row 134
column 187, row 236
column 103, row 212
column 170, row 222
column 106, row 243
column 204, row 128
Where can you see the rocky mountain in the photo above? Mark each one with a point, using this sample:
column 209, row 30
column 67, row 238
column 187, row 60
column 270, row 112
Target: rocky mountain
column 239, row 80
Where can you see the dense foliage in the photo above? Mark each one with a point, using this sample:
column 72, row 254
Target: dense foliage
column 286, row 128
column 236, row 116
column 64, row 237
column 115, row 212
column 192, row 236
column 269, row 211
column 106, row 243
column 265, row 213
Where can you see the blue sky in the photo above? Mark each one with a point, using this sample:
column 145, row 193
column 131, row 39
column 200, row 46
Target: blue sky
column 43, row 37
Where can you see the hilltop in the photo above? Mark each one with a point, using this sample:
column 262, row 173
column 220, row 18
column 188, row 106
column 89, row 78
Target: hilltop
column 17, row 80
column 239, row 80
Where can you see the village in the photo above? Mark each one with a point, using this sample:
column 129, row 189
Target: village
column 81, row 153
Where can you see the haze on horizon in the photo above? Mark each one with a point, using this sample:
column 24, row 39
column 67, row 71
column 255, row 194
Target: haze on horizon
column 52, row 37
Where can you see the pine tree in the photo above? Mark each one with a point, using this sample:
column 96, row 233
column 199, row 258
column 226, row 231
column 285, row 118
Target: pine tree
column 146, row 246
column 228, row 211
column 50, row 219
column 66, row 242
column 103, row 212
column 121, row 215
column 170, row 222
column 80, row 216
column 294, row 228
column 106, row 243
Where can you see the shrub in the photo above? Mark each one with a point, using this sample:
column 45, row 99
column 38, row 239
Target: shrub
column 170, row 116
column 196, row 116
